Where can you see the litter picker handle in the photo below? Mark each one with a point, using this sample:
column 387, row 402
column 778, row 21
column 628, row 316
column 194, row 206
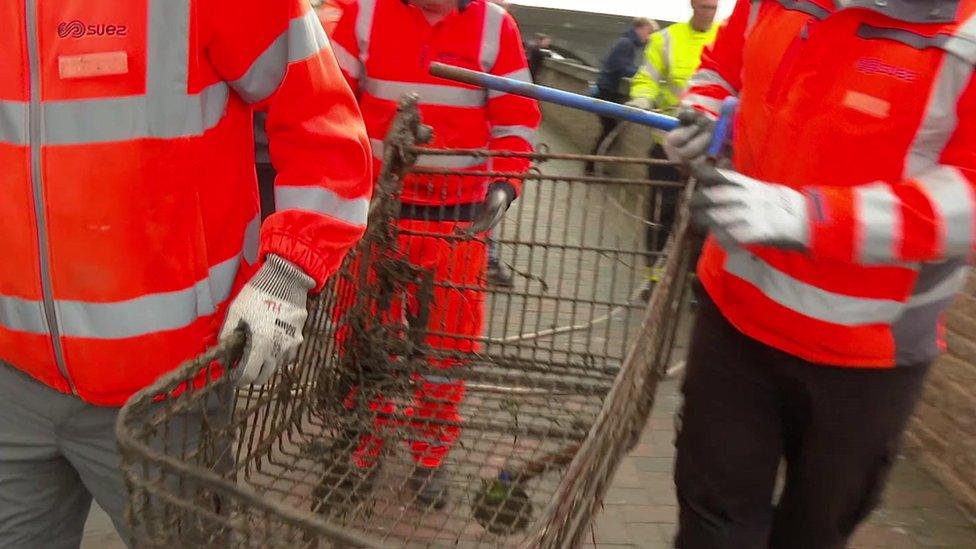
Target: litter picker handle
column 723, row 129
column 552, row 95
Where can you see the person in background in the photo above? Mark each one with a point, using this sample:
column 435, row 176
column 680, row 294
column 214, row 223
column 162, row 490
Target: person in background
column 838, row 237
column 372, row 41
column 622, row 62
column 499, row 274
column 672, row 56
column 537, row 53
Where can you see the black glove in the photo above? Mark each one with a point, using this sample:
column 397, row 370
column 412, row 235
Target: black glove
column 688, row 143
column 500, row 196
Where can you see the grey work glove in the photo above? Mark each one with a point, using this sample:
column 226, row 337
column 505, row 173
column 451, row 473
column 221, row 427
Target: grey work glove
column 741, row 211
column 500, row 196
column 271, row 309
column 688, row 143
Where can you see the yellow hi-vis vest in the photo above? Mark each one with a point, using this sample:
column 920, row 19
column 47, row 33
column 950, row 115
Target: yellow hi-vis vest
column 671, row 57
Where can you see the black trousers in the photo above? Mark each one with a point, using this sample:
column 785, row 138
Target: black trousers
column 748, row 406
column 607, row 124
column 662, row 202
column 266, row 179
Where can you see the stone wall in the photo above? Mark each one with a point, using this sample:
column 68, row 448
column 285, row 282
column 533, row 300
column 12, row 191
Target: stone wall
column 943, row 432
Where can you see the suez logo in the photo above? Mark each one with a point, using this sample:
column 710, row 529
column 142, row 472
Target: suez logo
column 79, row 29
column 873, row 65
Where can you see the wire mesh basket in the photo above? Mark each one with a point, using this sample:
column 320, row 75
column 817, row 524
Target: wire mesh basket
column 426, row 408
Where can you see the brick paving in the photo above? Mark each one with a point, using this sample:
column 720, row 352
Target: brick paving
column 640, row 508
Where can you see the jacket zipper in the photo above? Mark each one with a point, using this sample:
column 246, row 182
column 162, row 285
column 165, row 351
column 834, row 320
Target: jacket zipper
column 777, row 88
column 34, row 115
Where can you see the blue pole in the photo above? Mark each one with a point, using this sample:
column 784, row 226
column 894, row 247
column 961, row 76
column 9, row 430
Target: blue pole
column 552, row 95
column 723, row 128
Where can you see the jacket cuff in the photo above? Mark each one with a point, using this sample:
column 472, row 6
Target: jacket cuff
column 300, row 253
column 284, row 280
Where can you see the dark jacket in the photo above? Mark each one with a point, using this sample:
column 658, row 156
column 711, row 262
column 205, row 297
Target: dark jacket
column 536, row 57
column 622, row 62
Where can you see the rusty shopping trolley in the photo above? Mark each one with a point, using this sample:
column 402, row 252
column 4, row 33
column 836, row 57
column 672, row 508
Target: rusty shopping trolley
column 539, row 407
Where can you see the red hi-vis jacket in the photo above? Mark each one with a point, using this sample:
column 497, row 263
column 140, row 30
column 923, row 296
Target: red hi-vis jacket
column 129, row 205
column 385, row 48
column 870, row 110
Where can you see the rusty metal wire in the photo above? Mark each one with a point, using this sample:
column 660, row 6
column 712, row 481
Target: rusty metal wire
column 534, row 408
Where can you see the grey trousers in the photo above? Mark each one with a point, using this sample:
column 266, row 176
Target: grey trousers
column 56, row 453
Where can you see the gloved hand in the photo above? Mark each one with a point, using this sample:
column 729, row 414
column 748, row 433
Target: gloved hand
column 500, row 196
column 689, row 142
column 271, row 308
column 740, row 210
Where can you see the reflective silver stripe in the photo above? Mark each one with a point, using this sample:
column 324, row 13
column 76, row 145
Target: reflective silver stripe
column 168, row 110
column 150, row 313
column 807, row 299
column 666, row 82
column 753, row 16
column 317, row 199
column 347, row 61
column 13, row 122
column 127, row 118
column 454, row 162
column 130, row 318
column 879, row 222
column 525, row 132
column 964, row 48
column 252, row 240
column 303, row 38
column 491, row 35
column 708, row 77
column 939, row 121
column 916, row 333
column 945, row 287
column 377, row 147
column 364, row 27
column 666, row 53
column 963, row 44
column 165, row 111
column 952, row 197
column 430, row 94
column 709, row 103
column 651, row 71
column 522, row 75
column 22, row 315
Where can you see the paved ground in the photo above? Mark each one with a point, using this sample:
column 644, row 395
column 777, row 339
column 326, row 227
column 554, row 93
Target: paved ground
column 640, row 507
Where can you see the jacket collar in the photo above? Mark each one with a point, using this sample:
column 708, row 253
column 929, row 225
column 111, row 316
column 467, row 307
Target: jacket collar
column 910, row 11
